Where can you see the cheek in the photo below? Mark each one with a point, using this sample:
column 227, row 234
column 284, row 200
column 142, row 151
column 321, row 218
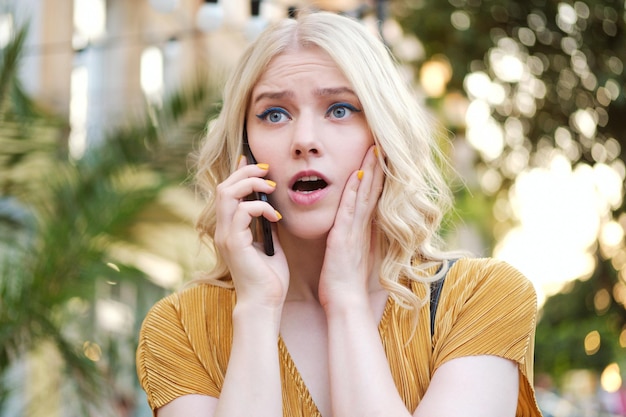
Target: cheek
column 274, row 156
column 267, row 146
column 350, row 160
column 261, row 148
column 355, row 151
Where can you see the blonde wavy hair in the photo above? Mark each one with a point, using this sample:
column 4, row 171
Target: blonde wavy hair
column 415, row 195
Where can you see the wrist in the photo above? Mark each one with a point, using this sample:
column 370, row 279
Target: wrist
column 347, row 304
column 255, row 316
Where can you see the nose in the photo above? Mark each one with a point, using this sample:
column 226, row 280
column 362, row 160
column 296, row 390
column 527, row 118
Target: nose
column 305, row 142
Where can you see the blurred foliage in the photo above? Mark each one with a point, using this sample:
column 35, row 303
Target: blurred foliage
column 58, row 218
column 568, row 99
column 578, row 58
column 571, row 317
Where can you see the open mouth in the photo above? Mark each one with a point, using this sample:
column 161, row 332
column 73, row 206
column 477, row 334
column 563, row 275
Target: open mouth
column 309, row 184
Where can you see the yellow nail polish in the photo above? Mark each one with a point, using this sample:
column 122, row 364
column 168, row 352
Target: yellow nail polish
column 271, row 183
column 376, row 151
column 280, row 216
column 263, row 166
column 240, row 159
column 359, row 174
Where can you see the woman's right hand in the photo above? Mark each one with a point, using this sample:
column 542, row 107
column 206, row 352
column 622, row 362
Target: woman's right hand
column 259, row 279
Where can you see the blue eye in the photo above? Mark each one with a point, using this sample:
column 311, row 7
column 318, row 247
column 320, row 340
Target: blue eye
column 341, row 110
column 274, row 115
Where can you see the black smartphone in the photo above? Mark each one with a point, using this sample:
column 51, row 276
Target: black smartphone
column 266, row 228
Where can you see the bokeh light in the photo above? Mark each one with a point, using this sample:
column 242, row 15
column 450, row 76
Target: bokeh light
column 592, row 342
column 92, row 351
column 435, row 75
column 611, row 379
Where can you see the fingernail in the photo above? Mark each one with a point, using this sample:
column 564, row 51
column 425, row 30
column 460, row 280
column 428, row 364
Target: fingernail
column 359, row 174
column 376, row 151
column 240, row 159
column 263, row 166
column 271, row 183
column 280, row 216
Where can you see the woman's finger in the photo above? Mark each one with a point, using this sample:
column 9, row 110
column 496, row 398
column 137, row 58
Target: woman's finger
column 238, row 233
column 230, row 195
column 361, row 194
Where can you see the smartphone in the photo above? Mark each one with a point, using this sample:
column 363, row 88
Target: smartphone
column 266, row 228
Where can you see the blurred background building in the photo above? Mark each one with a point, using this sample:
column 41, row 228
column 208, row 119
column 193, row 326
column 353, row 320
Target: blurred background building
column 102, row 101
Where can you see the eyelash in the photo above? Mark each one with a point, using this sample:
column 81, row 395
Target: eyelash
column 335, row 106
column 267, row 112
column 342, row 106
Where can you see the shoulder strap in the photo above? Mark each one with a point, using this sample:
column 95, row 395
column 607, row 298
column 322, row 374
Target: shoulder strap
column 435, row 292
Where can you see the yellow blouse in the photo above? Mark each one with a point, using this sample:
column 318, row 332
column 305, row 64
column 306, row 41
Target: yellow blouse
column 486, row 307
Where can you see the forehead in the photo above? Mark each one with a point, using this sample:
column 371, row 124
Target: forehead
column 300, row 62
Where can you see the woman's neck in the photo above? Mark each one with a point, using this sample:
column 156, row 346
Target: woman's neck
column 305, row 258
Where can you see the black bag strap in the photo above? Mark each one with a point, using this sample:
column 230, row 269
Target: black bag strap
column 435, row 292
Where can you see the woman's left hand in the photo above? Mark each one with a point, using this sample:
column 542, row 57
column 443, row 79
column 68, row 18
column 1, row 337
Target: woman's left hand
column 349, row 254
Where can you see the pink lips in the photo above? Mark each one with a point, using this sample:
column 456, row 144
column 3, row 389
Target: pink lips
column 308, row 197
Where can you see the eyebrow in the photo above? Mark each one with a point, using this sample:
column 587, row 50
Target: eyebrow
column 321, row 92
column 274, row 95
column 334, row 91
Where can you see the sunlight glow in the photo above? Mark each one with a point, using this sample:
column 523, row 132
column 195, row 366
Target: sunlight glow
column 484, row 133
column 611, row 379
column 151, row 71
column 566, row 18
column 477, row 84
column 78, row 112
column 162, row 271
column 115, row 316
column 560, row 212
column 89, row 21
column 612, row 234
column 6, row 29
column 585, row 121
column 506, row 61
column 490, row 181
column 609, row 184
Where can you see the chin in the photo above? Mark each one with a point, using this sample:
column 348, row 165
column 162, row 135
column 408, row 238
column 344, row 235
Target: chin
column 308, row 230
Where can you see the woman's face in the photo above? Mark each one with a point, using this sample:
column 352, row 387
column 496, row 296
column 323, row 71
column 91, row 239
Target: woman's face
column 306, row 122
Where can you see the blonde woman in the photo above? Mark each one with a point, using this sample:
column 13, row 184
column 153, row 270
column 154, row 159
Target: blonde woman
column 335, row 319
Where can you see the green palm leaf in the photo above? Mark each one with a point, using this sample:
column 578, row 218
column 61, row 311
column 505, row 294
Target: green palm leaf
column 60, row 217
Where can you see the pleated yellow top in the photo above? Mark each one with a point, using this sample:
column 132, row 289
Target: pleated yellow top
column 486, row 308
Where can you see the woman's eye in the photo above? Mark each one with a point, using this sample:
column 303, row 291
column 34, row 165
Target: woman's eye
column 274, row 115
column 341, row 110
